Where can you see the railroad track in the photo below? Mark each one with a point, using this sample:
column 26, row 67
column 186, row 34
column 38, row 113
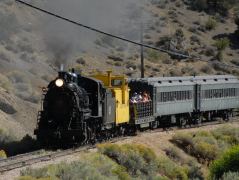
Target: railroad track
column 27, row 159
column 34, row 157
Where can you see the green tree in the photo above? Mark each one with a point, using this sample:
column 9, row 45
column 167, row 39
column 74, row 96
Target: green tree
column 228, row 162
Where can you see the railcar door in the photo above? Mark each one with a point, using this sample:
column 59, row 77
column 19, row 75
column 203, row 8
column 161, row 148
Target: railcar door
column 198, row 97
column 109, row 108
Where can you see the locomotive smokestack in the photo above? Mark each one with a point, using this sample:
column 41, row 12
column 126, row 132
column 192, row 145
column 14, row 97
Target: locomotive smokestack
column 62, row 67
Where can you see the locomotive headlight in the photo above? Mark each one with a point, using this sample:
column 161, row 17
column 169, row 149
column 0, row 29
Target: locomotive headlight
column 59, row 82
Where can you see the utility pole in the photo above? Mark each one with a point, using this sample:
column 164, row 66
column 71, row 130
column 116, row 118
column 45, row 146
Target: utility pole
column 142, row 50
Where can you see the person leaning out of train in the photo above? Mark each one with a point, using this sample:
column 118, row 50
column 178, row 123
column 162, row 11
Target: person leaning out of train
column 140, row 97
column 146, row 97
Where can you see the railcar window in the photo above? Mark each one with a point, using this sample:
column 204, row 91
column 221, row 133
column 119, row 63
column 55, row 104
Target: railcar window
column 220, row 93
column 116, row 82
column 175, row 96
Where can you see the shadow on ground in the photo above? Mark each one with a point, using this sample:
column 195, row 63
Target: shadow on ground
column 26, row 144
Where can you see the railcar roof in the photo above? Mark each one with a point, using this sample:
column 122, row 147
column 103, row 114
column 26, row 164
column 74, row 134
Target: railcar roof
column 187, row 80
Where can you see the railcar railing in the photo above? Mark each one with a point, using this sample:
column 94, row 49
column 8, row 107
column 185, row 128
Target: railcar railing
column 141, row 109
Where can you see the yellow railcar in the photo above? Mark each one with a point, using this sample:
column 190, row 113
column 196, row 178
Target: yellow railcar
column 120, row 90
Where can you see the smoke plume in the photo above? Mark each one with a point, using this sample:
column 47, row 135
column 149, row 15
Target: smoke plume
column 62, row 39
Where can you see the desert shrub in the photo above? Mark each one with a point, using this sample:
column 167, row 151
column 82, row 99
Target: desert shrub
column 155, row 69
column 147, row 36
column 206, row 69
column 230, row 176
column 229, row 161
column 137, row 159
column 5, row 56
column 167, row 61
column 118, row 64
column 220, row 67
column 5, row 137
column 222, row 43
column 178, row 4
column 6, row 83
column 195, row 171
column 205, row 150
column 81, row 61
column 3, row 154
column 183, row 139
column 210, row 24
column 131, row 65
column 91, row 166
column 164, row 41
column 173, row 153
column 32, row 178
column 202, row 133
column 235, row 61
column 105, row 41
column 24, row 91
column 187, row 70
column 117, row 58
column 171, row 169
column 12, row 47
column 193, row 167
column 35, row 173
column 228, row 134
column 195, row 39
column 7, row 2
column 219, row 56
column 7, row 29
column 175, row 72
column 193, row 29
column 25, row 46
column 22, row 86
column 235, row 72
column 153, row 55
column 209, row 51
column 207, row 146
column 17, row 77
column 47, row 77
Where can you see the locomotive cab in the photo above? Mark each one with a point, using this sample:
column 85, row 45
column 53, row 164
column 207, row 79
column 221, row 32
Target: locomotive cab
column 119, row 87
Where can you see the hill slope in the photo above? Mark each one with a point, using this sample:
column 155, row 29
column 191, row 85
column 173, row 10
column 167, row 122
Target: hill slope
column 33, row 45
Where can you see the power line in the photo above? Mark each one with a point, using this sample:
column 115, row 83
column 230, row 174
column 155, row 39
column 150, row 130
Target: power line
column 102, row 32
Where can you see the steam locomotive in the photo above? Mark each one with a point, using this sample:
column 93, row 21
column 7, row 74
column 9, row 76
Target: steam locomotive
column 82, row 109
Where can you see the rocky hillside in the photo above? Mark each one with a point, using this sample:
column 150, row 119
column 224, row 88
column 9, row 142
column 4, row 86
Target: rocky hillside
column 33, row 45
column 23, row 69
